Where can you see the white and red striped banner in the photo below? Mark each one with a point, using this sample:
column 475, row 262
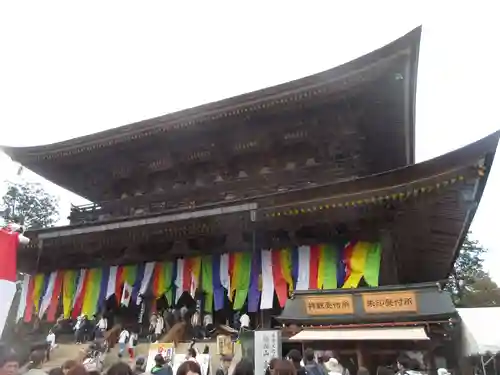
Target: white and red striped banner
column 9, row 241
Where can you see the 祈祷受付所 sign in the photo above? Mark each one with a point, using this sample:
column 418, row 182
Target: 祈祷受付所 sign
column 330, row 305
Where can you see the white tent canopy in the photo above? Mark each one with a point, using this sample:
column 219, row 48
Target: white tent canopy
column 480, row 334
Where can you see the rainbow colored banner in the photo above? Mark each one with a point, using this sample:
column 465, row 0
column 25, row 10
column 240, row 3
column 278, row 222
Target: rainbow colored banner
column 240, row 277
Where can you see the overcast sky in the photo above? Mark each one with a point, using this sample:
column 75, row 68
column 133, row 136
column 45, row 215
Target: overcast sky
column 68, row 70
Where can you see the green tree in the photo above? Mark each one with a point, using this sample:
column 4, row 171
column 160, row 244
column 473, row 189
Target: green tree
column 30, row 205
column 469, row 284
column 482, row 292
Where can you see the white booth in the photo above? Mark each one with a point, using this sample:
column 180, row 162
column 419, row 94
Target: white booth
column 480, row 333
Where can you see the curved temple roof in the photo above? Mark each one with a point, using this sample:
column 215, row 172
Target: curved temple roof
column 426, row 253
column 340, row 79
column 407, row 44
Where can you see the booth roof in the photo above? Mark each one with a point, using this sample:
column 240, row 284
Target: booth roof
column 479, row 340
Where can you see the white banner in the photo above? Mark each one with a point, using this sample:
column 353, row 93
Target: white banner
column 267, row 346
column 7, row 292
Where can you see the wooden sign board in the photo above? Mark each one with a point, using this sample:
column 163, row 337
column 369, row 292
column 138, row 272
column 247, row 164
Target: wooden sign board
column 329, row 305
column 224, row 345
column 389, row 302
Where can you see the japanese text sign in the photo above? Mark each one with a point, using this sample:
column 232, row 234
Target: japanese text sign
column 390, row 302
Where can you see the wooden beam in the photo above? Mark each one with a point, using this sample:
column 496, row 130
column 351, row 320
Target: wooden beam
column 149, row 221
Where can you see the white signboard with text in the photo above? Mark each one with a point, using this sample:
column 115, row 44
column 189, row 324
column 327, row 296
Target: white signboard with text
column 267, row 346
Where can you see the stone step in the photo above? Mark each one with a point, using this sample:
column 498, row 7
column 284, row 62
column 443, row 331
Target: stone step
column 62, row 353
column 65, row 352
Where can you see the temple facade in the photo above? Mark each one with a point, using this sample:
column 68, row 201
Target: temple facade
column 264, row 197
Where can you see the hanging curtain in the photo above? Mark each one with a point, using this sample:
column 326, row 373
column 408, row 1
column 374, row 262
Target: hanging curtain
column 372, row 264
column 254, row 289
column 242, row 282
column 207, row 282
column 69, row 289
column 267, row 296
column 357, row 264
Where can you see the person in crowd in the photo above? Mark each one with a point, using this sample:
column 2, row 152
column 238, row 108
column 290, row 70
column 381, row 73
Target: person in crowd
column 68, row 365
column 9, row 363
column 122, row 341
column 183, row 313
column 159, row 327
column 407, row 366
column 88, row 328
column 334, row 367
column 282, row 367
column 58, row 327
column 225, row 363
column 132, row 343
column 270, row 367
column 244, row 322
column 35, row 363
column 79, row 329
column 243, row 367
column 208, row 324
column 363, row 371
column 192, row 354
column 196, row 320
column 296, row 358
column 443, row 371
column 51, row 343
column 102, row 327
column 93, row 360
column 190, row 368
column 120, row 368
column 140, row 366
column 345, row 369
column 78, row 370
column 312, row 367
column 56, row 371
column 323, row 359
column 404, row 364
column 153, row 319
column 161, row 366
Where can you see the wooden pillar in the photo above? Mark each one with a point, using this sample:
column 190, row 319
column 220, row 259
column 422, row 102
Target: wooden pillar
column 359, row 356
column 362, row 356
column 388, row 262
column 266, row 319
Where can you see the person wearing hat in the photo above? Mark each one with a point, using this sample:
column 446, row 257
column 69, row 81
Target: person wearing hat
column 225, row 363
column 334, row 367
column 443, row 371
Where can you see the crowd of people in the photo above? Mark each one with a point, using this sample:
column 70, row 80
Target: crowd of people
column 329, row 364
column 9, row 365
column 293, row 364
